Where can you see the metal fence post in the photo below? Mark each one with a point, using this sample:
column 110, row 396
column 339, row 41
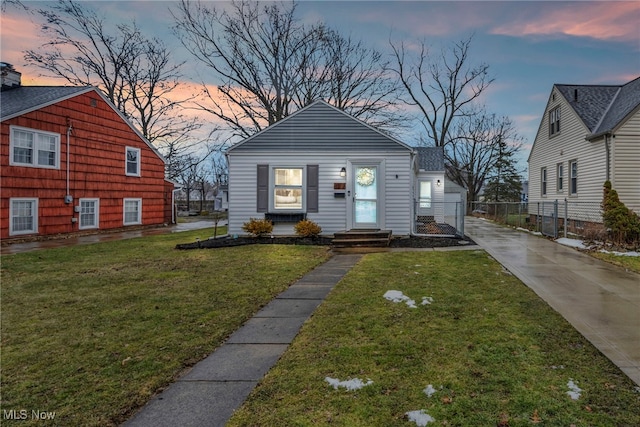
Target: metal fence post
column 566, row 216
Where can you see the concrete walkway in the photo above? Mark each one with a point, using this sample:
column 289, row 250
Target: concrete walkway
column 209, row 393
column 600, row 300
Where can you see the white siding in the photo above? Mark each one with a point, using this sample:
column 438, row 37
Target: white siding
column 625, row 162
column 569, row 145
column 332, row 215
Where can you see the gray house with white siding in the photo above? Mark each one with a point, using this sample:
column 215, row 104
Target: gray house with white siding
column 326, row 166
column 588, row 134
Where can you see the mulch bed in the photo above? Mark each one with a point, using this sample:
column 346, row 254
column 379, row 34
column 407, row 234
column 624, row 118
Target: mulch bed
column 396, row 242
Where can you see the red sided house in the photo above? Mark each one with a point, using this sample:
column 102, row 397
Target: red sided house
column 71, row 162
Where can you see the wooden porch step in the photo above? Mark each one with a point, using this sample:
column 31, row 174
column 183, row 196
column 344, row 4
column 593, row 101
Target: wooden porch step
column 361, row 238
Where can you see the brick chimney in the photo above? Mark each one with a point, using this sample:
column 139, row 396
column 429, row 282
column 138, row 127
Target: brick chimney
column 10, row 77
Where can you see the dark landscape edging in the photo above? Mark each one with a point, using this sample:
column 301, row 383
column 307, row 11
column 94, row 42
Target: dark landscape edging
column 397, row 242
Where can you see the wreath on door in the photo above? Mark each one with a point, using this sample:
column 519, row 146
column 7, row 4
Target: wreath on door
column 365, row 177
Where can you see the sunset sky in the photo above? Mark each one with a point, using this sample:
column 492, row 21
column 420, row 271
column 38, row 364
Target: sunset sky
column 529, row 45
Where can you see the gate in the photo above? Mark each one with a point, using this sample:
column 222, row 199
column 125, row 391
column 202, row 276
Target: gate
column 548, row 217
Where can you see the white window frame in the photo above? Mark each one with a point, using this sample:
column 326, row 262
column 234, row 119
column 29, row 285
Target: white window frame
column 302, row 187
column 543, row 181
column 38, row 145
column 34, row 215
column 96, row 213
column 573, row 178
column 126, row 161
column 560, row 177
column 554, row 121
column 138, row 220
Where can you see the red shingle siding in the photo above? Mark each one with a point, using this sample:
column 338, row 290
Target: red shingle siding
column 97, row 168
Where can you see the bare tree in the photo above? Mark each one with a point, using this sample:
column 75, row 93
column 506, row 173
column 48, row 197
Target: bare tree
column 443, row 87
column 134, row 72
column 268, row 65
column 481, row 146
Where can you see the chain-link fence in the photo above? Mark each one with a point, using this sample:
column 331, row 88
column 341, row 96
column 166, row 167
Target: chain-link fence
column 557, row 218
column 439, row 219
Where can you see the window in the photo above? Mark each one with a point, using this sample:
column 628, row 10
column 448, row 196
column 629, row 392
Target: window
column 554, row 121
column 543, row 181
column 132, row 211
column 425, row 194
column 89, row 213
column 573, row 177
column 39, row 149
column 133, row 161
column 287, row 188
column 560, row 177
column 24, row 216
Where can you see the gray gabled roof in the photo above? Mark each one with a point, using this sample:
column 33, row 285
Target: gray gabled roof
column 602, row 108
column 319, row 126
column 430, row 158
column 23, row 99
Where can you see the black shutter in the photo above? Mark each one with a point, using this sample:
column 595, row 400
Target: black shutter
column 262, row 204
column 312, row 188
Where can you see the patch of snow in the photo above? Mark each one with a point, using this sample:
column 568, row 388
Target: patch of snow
column 353, row 384
column 536, row 233
column 616, row 253
column 421, row 418
column 557, row 367
column 397, row 296
column 522, row 229
column 574, row 243
column 574, row 391
column 427, row 300
column 429, row 390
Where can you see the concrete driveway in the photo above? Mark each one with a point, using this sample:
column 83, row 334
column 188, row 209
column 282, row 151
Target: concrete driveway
column 600, row 300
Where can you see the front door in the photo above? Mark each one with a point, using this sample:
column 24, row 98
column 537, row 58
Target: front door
column 366, row 203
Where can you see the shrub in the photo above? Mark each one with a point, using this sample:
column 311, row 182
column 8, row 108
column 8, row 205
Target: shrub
column 623, row 224
column 307, row 228
column 258, row 227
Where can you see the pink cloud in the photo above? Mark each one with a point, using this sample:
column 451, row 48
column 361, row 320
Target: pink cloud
column 599, row 20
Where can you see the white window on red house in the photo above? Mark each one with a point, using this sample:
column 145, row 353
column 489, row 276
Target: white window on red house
column 24, row 216
column 89, row 213
column 29, row 147
column 132, row 211
column 133, row 161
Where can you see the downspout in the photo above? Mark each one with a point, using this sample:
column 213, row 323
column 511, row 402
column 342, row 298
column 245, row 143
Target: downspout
column 607, row 154
column 68, row 197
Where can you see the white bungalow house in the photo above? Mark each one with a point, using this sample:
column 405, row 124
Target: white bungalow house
column 326, row 166
column 588, row 134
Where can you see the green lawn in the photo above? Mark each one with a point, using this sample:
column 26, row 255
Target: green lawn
column 493, row 351
column 91, row 332
column 631, row 263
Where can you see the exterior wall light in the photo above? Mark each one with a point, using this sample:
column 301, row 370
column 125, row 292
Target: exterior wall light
column 438, row 183
column 343, row 172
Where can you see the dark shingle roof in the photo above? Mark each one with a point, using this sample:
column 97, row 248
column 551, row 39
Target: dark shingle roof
column 23, row 99
column 430, row 158
column 602, row 108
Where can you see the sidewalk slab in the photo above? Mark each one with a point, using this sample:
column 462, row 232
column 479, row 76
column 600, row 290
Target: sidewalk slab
column 289, row 308
column 222, row 365
column 267, row 330
column 299, row 291
column 193, row 404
